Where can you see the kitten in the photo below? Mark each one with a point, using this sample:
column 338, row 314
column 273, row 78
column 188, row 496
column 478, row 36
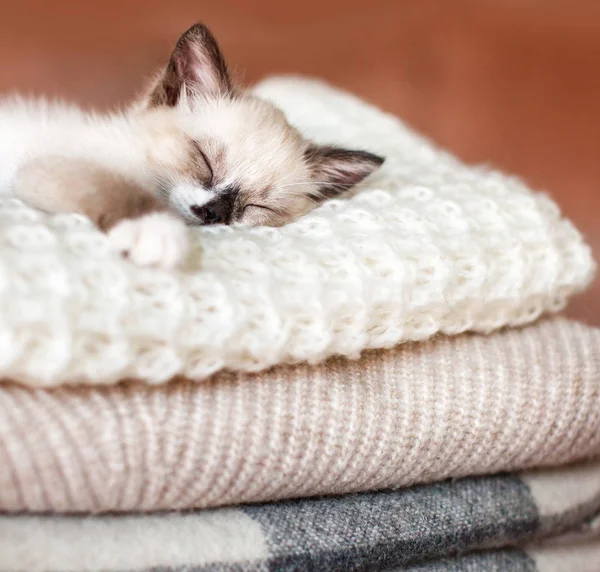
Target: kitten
column 193, row 149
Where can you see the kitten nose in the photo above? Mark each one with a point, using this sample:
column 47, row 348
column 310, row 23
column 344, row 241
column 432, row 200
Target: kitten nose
column 207, row 215
column 217, row 211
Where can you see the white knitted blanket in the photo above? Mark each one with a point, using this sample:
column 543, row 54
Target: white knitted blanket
column 428, row 246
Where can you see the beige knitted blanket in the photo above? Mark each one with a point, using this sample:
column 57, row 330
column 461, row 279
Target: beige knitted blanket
column 423, row 412
column 441, row 527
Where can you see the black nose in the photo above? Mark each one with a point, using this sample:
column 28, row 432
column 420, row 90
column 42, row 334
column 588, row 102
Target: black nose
column 217, row 211
column 207, row 215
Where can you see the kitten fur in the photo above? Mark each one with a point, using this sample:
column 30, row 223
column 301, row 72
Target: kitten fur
column 193, row 149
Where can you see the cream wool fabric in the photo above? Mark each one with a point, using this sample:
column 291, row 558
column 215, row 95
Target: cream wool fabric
column 428, row 246
column 419, row 413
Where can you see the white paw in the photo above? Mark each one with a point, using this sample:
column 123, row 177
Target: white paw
column 158, row 239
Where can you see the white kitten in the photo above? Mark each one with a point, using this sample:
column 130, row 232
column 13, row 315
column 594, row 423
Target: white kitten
column 192, row 149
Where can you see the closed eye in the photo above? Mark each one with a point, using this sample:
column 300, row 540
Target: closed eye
column 212, row 175
column 260, row 207
column 262, row 215
column 207, row 162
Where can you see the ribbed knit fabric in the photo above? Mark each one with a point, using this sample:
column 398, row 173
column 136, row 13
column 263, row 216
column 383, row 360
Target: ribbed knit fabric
column 408, row 529
column 419, row 413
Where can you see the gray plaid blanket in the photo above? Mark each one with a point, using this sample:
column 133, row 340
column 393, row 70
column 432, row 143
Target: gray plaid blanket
column 457, row 525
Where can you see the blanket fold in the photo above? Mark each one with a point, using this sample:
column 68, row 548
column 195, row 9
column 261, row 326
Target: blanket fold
column 427, row 528
column 420, row 413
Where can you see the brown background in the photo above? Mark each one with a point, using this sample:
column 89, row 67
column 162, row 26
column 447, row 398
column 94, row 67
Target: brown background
column 513, row 83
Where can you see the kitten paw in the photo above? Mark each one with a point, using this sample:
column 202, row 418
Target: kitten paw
column 158, row 239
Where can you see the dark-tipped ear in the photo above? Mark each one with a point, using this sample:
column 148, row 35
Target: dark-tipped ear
column 196, row 66
column 338, row 170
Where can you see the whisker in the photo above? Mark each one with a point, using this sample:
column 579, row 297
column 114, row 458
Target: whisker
column 348, row 185
column 287, row 177
column 162, row 188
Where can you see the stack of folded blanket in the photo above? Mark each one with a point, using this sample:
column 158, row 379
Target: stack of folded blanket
column 375, row 387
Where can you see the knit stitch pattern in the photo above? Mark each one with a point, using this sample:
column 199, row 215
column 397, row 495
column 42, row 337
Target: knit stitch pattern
column 423, row 412
column 428, row 245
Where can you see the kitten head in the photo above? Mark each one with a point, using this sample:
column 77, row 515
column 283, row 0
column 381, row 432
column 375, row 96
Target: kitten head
column 239, row 160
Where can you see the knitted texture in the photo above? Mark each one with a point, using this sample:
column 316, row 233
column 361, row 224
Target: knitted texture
column 419, row 413
column 428, row 246
column 409, row 529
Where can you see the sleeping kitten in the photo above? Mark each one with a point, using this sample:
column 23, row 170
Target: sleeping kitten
column 194, row 149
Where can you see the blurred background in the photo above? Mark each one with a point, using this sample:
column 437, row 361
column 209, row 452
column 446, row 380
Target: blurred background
column 511, row 83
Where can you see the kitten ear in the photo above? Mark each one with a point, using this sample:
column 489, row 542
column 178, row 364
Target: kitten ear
column 196, row 66
column 338, row 170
